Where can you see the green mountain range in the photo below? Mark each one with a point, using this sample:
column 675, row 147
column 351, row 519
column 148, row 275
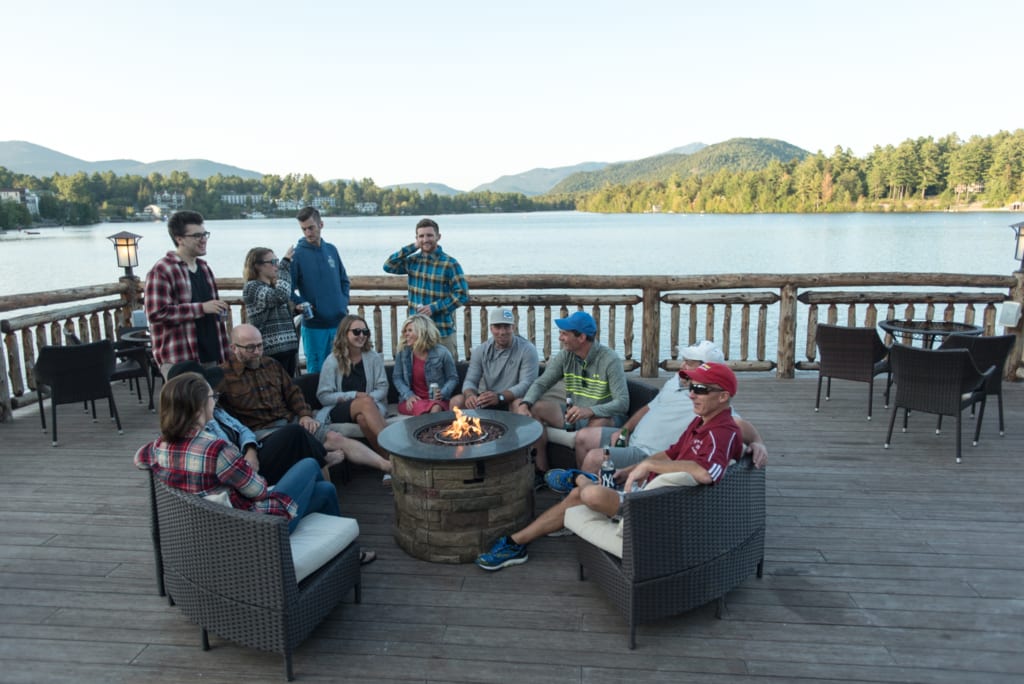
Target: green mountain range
column 737, row 154
column 35, row 160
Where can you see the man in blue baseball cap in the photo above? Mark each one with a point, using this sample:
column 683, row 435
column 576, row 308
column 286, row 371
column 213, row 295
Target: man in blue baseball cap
column 594, row 380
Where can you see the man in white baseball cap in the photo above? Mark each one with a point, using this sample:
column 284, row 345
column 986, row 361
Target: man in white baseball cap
column 658, row 425
column 501, row 369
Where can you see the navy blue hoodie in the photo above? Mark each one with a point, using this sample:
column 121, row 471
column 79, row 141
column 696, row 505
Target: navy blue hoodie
column 320, row 278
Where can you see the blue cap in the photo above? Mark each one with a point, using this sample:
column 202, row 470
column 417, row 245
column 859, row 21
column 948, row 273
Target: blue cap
column 580, row 322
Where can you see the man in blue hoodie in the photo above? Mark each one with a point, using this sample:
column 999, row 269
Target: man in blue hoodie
column 321, row 282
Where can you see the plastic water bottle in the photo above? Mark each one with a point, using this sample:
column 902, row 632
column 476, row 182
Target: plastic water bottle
column 569, row 426
column 608, row 471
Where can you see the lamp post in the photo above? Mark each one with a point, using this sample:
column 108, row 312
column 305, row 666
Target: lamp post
column 127, row 246
column 1018, row 253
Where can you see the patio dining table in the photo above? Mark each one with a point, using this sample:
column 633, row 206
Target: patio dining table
column 926, row 332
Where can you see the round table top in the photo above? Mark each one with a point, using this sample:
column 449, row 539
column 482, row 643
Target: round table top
column 921, row 328
column 137, row 336
column 400, row 438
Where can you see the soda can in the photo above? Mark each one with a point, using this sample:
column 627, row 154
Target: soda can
column 435, row 391
column 608, row 471
column 307, row 310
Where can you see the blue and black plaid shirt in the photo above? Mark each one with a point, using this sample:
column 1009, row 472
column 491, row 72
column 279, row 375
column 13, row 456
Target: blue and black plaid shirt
column 435, row 279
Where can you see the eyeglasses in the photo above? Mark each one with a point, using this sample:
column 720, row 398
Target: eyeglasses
column 701, row 390
column 272, row 262
column 215, row 396
column 198, row 236
column 360, row 332
column 249, row 347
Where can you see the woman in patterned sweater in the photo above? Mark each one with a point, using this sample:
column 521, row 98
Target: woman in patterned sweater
column 268, row 305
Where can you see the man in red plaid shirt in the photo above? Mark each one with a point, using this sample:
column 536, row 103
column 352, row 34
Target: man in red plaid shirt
column 183, row 307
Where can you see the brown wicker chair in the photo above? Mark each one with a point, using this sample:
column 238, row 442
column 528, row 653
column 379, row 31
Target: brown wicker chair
column 856, row 354
column 683, row 547
column 231, row 572
column 942, row 381
column 986, row 352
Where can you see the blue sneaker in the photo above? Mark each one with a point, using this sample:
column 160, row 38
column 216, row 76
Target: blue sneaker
column 504, row 552
column 562, row 481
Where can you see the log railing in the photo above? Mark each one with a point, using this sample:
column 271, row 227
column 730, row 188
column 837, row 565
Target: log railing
column 757, row 319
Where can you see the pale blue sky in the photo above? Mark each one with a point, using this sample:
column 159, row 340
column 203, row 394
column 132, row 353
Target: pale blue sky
column 463, row 92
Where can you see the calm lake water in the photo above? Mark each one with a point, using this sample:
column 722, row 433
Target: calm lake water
column 559, row 242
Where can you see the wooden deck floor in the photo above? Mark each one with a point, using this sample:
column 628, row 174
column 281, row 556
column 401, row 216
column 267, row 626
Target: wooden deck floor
column 882, row 566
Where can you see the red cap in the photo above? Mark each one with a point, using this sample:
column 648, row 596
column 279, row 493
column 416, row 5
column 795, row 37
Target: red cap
column 712, row 374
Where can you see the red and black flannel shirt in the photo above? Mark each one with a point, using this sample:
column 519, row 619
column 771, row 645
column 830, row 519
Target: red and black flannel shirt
column 205, row 465
column 171, row 312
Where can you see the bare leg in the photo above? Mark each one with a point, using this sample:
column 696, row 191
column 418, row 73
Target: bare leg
column 356, row 451
column 365, row 412
column 548, row 413
column 582, row 449
column 592, row 461
column 587, row 439
column 586, row 492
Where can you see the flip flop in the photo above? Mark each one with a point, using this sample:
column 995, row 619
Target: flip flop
column 367, row 557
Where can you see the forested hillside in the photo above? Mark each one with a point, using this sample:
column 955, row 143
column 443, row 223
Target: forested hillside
column 738, row 154
column 921, row 174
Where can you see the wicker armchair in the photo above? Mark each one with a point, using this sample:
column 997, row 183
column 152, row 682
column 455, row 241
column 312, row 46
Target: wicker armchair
column 986, row 352
column 942, row 381
column 856, row 354
column 231, row 572
column 683, row 547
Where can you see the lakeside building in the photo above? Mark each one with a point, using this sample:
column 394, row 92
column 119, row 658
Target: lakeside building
column 21, row 196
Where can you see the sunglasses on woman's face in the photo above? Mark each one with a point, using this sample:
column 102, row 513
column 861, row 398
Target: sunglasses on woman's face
column 701, row 390
column 360, row 332
column 272, row 262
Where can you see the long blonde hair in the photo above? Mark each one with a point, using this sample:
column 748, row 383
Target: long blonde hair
column 340, row 350
column 427, row 336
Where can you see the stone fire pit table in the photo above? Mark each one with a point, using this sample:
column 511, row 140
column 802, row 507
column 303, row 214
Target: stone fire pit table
column 452, row 500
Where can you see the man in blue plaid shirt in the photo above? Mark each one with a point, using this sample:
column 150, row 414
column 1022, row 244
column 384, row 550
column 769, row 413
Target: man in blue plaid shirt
column 437, row 286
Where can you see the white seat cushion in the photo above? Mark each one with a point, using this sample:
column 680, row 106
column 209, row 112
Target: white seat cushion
column 596, row 528
column 317, row 539
column 671, row 480
column 560, row 436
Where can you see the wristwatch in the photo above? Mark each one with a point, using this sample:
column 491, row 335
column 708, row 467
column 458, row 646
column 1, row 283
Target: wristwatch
column 501, row 398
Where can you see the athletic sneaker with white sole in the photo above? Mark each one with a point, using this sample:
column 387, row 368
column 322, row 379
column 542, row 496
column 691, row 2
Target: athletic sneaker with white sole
column 505, row 552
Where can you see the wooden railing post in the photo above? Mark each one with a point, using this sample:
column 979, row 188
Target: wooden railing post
column 786, row 355
column 1013, row 364
column 130, row 288
column 651, row 333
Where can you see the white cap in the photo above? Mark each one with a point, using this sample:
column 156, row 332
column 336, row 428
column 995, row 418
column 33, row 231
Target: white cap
column 705, row 351
column 501, row 316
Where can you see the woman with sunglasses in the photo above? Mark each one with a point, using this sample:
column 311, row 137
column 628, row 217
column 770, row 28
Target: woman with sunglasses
column 352, row 381
column 268, row 304
column 423, row 361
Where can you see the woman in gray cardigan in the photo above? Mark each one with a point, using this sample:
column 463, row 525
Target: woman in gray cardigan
column 353, row 386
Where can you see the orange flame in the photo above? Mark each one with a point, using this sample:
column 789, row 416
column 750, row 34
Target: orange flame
column 463, row 426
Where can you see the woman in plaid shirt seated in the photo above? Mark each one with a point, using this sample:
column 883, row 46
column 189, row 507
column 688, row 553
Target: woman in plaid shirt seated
column 187, row 457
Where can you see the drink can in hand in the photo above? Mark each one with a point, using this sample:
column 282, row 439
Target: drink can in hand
column 307, row 310
column 435, row 391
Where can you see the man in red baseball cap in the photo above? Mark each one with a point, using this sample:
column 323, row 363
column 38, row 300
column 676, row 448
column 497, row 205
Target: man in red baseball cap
column 704, row 450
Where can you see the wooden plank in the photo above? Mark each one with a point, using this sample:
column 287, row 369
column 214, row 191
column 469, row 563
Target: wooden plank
column 882, row 565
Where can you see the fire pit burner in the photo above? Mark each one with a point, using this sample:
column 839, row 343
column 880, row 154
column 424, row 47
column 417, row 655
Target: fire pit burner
column 434, row 434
